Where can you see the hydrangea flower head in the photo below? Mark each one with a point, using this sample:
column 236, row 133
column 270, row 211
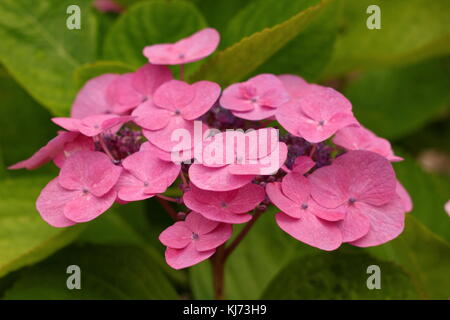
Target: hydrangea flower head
column 364, row 184
column 193, row 48
column 227, row 206
column 174, row 106
column 228, row 165
column 319, row 113
column 256, row 99
column 142, row 134
column 83, row 190
column 193, row 240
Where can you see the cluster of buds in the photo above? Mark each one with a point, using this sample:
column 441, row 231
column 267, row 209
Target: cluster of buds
column 133, row 136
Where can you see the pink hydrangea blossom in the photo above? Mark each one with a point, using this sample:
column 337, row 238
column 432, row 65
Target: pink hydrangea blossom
column 132, row 136
column 145, row 175
column 360, row 138
column 256, row 99
column 364, row 183
column 174, row 106
column 228, row 206
column 83, row 190
column 195, row 47
column 114, row 93
column 302, row 217
column 226, row 166
column 92, row 125
column 193, row 240
column 57, row 149
column 319, row 113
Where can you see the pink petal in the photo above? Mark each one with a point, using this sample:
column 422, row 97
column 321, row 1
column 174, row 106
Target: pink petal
column 121, row 94
column 264, row 166
column 47, row 152
column 163, row 138
column 87, row 207
column 213, row 239
column 176, row 157
column 150, row 117
column 335, row 214
column 174, row 95
column 91, row 99
column 186, row 257
column 311, row 230
column 198, row 46
column 283, row 203
column 404, row 197
column 154, row 175
column 367, row 177
column 296, row 187
column 96, row 124
column 232, row 99
column 247, row 198
column 360, row 138
column 315, row 132
column 386, row 223
column 70, row 124
column 216, row 179
column 206, row 94
column 81, row 142
column 213, row 211
column 150, row 77
column 294, row 85
column 355, row 224
column 51, row 203
column 303, row 164
column 326, row 187
column 176, row 236
column 199, row 224
column 131, row 188
column 90, row 170
column 289, row 115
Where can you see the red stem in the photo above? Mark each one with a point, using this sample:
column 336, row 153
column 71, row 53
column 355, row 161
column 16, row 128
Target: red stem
column 220, row 257
column 171, row 212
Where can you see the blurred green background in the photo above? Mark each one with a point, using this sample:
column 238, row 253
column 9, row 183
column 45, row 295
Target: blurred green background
column 397, row 77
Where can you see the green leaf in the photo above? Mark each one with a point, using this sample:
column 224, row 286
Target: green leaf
column 429, row 193
column 253, row 264
column 244, row 57
column 339, row 275
column 395, row 102
column 25, row 125
column 410, row 31
column 92, row 70
column 147, row 23
column 107, row 272
column 309, row 53
column 423, row 255
column 24, row 237
column 219, row 14
column 41, row 52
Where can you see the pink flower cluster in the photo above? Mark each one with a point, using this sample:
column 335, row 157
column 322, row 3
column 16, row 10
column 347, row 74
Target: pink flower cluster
column 330, row 177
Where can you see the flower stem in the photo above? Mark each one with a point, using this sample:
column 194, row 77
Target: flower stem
column 105, row 148
column 161, row 196
column 242, row 234
column 170, row 211
column 222, row 253
column 182, row 72
column 218, row 269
